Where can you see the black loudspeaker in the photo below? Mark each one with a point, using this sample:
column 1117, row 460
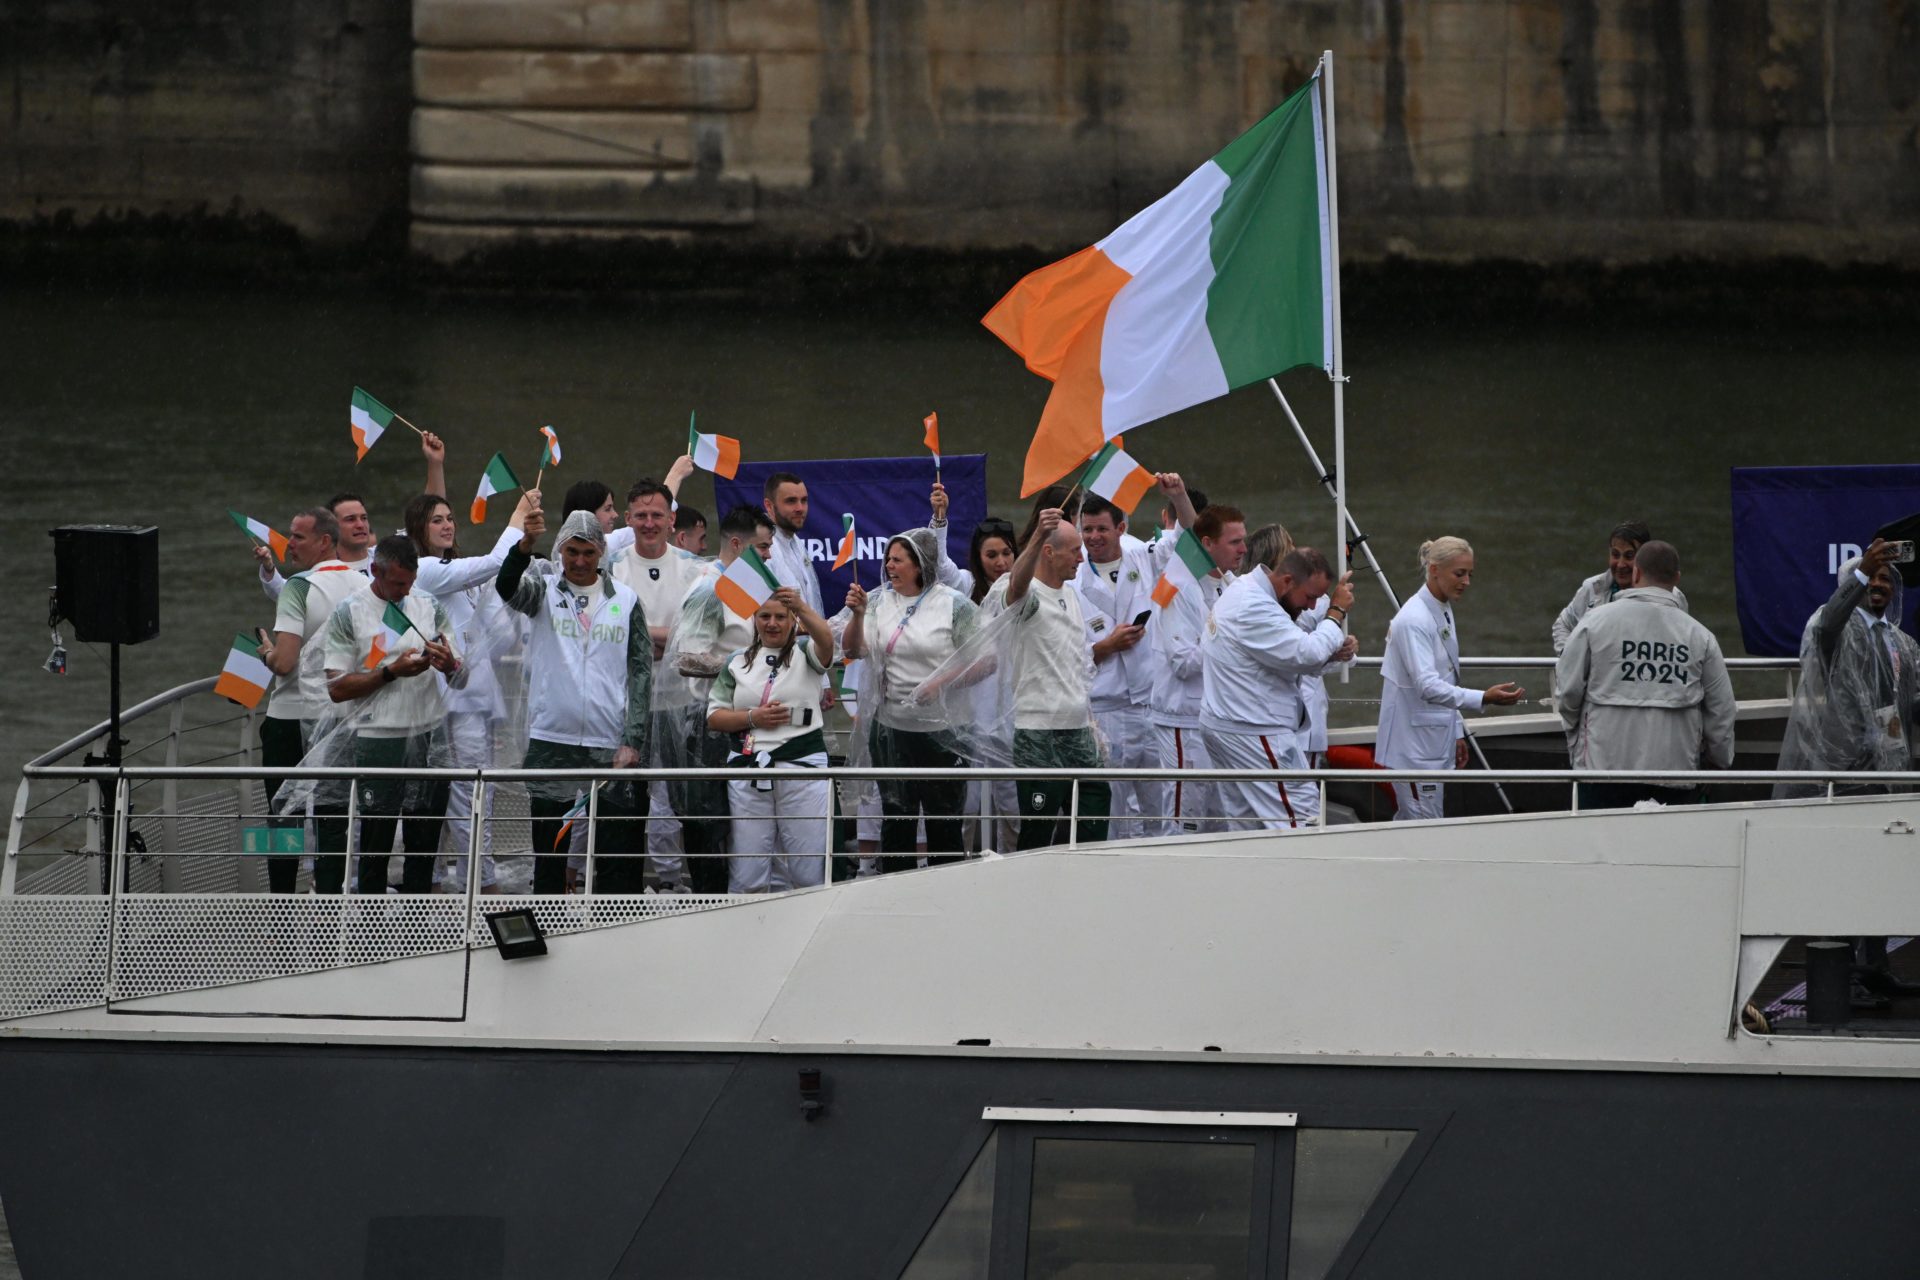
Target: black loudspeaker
column 107, row 581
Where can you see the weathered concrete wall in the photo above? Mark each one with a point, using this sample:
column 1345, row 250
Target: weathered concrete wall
column 296, row 109
column 1541, row 129
column 1551, row 130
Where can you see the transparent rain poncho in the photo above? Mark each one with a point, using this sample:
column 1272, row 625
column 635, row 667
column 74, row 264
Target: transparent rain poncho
column 1849, row 713
column 977, row 688
column 888, row 702
column 399, row 725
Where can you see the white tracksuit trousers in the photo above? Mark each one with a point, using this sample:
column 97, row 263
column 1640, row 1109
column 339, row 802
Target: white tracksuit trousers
column 1416, row 800
column 1195, row 806
column 1139, row 808
column 1277, row 806
column 780, row 835
column 469, row 746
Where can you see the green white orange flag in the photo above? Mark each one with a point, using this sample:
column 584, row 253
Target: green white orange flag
column 394, row 623
column 549, row 449
column 261, row 534
column 846, row 542
column 497, row 478
column 245, row 677
column 1115, row 476
column 574, row 812
column 718, row 454
column 1189, row 564
column 1224, row 281
column 369, row 419
column 932, row 438
column 746, row 584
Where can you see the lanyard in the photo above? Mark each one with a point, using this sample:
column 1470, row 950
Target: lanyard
column 766, row 696
column 903, row 626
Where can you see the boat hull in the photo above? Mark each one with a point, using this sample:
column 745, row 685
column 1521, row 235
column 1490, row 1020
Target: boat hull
column 235, row 1158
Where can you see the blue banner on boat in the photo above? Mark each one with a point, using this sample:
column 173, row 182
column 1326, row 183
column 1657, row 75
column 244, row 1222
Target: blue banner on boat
column 886, row 496
column 1793, row 527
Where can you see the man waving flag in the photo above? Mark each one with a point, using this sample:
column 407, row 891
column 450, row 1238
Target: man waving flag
column 1224, row 281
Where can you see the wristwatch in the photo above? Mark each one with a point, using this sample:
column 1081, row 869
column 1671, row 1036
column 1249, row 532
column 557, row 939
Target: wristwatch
column 386, row 675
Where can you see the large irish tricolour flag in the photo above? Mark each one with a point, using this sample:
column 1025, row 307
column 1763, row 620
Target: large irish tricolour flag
column 1224, row 281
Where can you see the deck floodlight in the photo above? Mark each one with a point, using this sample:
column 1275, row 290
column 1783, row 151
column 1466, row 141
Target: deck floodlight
column 516, row 934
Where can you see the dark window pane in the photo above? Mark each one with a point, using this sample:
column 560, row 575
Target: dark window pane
column 1336, row 1175
column 956, row 1247
column 1139, row 1210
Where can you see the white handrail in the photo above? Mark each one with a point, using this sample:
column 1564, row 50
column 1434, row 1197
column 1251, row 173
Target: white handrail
column 877, row 773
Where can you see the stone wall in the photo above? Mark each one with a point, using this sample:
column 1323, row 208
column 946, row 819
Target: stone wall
column 297, row 110
column 1548, row 130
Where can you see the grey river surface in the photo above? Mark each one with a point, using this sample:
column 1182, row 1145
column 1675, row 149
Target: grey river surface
column 1529, row 438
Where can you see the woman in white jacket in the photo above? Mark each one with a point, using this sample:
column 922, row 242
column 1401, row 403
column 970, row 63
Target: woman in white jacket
column 464, row 585
column 1420, row 695
column 769, row 695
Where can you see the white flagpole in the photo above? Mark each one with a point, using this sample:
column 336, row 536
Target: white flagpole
column 1338, row 374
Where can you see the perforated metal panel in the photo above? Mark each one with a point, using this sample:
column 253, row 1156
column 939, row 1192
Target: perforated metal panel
column 53, row 950
column 53, row 954
column 180, row 942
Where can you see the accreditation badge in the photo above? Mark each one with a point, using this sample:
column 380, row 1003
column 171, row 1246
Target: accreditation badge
column 1889, row 718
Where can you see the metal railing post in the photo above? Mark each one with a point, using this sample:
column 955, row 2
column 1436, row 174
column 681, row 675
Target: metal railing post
column 1073, row 814
column 1573, row 796
column 16, row 830
column 1321, row 783
column 826, row 856
column 116, row 863
column 473, row 860
column 593, row 832
column 242, row 797
column 170, row 804
column 347, row 878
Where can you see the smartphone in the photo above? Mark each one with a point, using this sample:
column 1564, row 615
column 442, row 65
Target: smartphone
column 1902, row 552
column 806, row 715
column 1140, row 619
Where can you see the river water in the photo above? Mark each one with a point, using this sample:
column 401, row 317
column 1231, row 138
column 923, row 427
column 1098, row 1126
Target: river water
column 1530, row 438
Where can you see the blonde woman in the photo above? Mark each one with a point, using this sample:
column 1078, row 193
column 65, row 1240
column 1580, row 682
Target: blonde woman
column 1420, row 696
column 769, row 693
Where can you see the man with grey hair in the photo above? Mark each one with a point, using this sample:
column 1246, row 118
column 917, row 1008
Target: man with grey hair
column 321, row 580
column 1642, row 685
column 589, row 689
column 1252, row 711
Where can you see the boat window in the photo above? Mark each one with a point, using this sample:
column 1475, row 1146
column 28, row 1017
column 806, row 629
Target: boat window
column 1154, row 1208
column 1336, row 1175
column 1139, row 1194
column 957, row 1248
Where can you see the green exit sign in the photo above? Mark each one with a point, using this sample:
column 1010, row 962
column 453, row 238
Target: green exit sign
column 273, row 840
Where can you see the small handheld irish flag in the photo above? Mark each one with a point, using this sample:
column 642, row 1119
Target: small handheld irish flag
column 1189, row 564
column 846, row 542
column 1116, row 477
column 261, row 534
column 245, row 677
column 574, row 812
column 369, row 419
column 394, row 623
column 718, row 454
column 746, row 584
column 932, row 439
column 497, row 478
column 549, row 449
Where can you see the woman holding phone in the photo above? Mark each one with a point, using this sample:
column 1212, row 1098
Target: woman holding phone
column 769, row 694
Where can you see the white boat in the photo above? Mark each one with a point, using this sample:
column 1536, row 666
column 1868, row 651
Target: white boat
column 1489, row 1046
